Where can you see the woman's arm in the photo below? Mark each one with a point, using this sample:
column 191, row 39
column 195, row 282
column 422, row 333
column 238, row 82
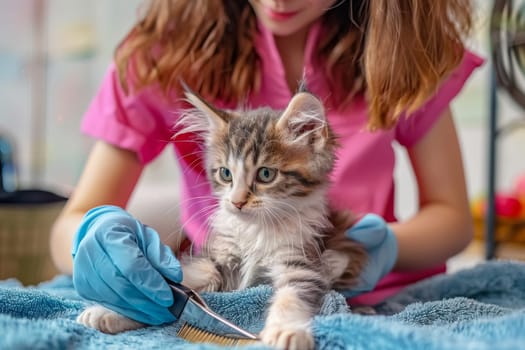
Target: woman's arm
column 109, row 177
column 443, row 226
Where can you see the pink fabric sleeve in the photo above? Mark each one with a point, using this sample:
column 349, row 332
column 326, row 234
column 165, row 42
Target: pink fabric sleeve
column 140, row 122
column 409, row 130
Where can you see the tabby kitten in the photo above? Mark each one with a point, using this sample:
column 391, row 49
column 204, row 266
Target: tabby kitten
column 269, row 171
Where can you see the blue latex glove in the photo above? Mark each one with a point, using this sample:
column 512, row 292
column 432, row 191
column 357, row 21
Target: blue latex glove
column 120, row 263
column 381, row 244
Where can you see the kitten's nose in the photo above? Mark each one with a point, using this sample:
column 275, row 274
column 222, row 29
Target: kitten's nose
column 239, row 204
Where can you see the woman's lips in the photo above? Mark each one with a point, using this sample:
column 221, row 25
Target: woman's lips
column 280, row 16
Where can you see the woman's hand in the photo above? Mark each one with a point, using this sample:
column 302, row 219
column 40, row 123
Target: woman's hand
column 121, row 264
column 381, row 245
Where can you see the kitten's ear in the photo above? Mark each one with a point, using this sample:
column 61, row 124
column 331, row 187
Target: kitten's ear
column 201, row 119
column 304, row 121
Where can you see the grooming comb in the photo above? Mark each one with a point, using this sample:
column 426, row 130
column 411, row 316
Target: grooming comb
column 199, row 324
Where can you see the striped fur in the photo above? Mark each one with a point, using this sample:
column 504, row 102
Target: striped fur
column 281, row 232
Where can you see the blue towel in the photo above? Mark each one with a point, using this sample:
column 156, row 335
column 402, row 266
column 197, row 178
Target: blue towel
column 478, row 308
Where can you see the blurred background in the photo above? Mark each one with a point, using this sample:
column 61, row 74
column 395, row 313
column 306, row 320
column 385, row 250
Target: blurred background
column 53, row 54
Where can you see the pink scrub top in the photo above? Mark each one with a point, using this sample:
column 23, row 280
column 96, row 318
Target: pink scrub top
column 363, row 176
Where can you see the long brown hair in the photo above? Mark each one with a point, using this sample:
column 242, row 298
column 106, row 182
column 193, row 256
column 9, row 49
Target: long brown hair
column 397, row 51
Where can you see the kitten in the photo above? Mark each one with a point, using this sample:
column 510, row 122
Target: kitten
column 270, row 172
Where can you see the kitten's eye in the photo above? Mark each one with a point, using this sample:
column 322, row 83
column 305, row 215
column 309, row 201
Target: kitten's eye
column 266, row 175
column 225, row 174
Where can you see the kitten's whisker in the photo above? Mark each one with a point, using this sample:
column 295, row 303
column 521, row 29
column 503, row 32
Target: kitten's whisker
column 188, row 141
column 267, row 214
column 190, row 154
column 193, row 201
column 302, row 226
column 283, row 226
column 198, row 199
column 193, row 153
column 262, row 217
column 205, row 211
column 186, row 222
column 193, row 166
column 198, row 152
column 208, row 225
column 274, row 222
column 201, row 184
column 273, row 232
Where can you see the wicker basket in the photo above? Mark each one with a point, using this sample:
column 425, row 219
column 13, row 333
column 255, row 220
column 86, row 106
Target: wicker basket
column 24, row 239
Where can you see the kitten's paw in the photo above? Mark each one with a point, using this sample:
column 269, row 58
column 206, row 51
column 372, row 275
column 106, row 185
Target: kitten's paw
column 201, row 274
column 107, row 321
column 288, row 338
